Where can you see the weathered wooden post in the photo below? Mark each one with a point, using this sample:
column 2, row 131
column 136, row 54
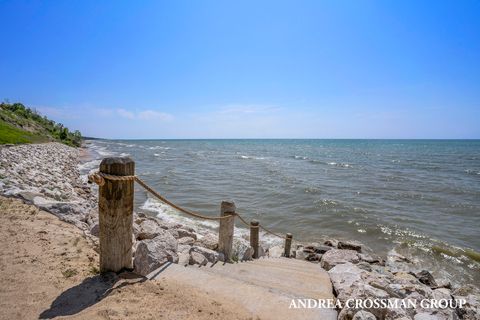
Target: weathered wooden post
column 288, row 244
column 225, row 236
column 254, row 237
column 115, row 210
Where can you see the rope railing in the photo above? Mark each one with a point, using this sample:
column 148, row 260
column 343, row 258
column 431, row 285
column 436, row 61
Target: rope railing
column 270, row 232
column 100, row 177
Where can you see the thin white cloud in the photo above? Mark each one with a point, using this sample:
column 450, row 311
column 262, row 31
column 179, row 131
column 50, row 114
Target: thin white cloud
column 126, row 114
column 154, row 115
column 144, row 115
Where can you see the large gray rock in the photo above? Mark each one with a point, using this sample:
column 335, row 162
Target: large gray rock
column 343, row 277
column 404, row 289
column 334, row 257
column 363, row 291
column 186, row 240
column 183, row 258
column 197, row 258
column 363, row 315
column 261, row 252
column 443, row 283
column 371, row 258
column 403, row 277
column 322, row 249
column 397, row 262
column 350, row 245
column 466, row 290
column 29, row 196
column 442, row 293
column 153, row 253
column 210, row 255
column 300, row 255
column 331, row 243
column 425, row 316
column 184, row 248
column 275, row 252
column 471, row 309
column 426, row 278
column 399, row 314
column 241, row 250
column 149, row 229
column 209, row 241
column 351, row 282
column 186, row 233
column 247, row 254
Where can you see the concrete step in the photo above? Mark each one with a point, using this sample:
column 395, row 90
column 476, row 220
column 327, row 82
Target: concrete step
column 265, row 286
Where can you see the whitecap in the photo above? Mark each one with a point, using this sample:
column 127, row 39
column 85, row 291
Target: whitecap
column 104, row 152
column 167, row 213
column 300, row 157
column 89, row 165
column 252, row 158
column 159, row 147
column 341, row 165
column 468, row 171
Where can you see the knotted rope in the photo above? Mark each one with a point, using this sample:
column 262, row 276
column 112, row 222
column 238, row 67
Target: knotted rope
column 100, row 177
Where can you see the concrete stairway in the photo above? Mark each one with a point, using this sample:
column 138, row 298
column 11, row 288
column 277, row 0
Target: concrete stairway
column 265, row 286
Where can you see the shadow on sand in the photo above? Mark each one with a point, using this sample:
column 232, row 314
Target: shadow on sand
column 82, row 296
column 93, row 290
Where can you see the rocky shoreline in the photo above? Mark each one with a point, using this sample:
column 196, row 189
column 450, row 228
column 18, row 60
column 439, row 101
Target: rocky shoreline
column 48, row 176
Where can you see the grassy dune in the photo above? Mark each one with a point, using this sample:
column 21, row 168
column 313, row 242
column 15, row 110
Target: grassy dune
column 13, row 135
column 20, row 124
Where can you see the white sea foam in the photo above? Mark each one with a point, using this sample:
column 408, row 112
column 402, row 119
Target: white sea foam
column 88, row 166
column 159, row 148
column 341, row 165
column 167, row 213
column 468, row 171
column 125, row 144
column 251, row 158
column 300, row 157
column 104, row 152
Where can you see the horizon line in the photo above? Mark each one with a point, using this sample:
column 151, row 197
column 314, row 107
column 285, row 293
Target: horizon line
column 140, row 139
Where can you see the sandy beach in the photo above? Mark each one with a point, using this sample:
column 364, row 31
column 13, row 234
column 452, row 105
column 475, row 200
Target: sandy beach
column 50, row 270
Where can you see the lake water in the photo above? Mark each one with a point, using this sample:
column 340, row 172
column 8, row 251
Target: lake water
column 419, row 196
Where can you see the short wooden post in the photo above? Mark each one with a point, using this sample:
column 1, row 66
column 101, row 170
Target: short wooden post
column 225, row 237
column 288, row 244
column 115, row 210
column 254, row 237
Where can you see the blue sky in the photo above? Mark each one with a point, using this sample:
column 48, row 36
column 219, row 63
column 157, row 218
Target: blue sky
column 247, row 69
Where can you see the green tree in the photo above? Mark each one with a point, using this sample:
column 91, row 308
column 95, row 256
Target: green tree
column 63, row 133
